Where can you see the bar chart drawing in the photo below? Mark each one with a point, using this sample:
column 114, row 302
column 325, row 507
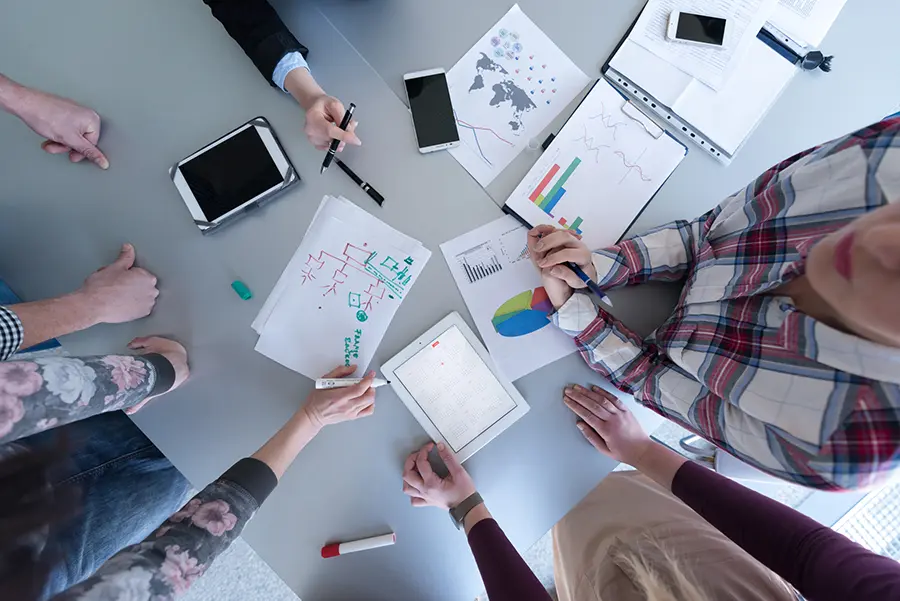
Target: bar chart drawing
column 479, row 262
column 547, row 202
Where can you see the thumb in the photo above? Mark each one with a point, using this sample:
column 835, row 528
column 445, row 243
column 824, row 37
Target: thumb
column 126, row 257
column 90, row 152
column 567, row 275
column 449, row 459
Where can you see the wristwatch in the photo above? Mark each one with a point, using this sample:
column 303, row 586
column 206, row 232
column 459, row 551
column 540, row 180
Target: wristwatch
column 458, row 514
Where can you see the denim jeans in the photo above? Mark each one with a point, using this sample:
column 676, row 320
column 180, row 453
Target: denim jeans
column 127, row 489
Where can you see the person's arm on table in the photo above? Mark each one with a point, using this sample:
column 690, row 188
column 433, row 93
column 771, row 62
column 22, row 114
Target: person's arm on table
column 505, row 574
column 116, row 293
column 820, row 563
column 67, row 126
column 281, row 59
column 171, row 559
column 52, row 391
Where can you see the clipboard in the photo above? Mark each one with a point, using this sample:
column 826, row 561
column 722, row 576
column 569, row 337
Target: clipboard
column 617, row 166
column 765, row 64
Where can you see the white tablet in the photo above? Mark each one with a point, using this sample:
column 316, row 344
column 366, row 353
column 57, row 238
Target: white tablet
column 450, row 384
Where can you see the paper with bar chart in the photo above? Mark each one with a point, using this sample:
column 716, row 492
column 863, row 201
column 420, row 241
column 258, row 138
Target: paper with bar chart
column 503, row 292
column 506, row 89
column 600, row 171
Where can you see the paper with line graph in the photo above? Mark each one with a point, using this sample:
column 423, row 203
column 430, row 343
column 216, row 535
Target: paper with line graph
column 503, row 292
column 602, row 168
column 338, row 294
column 506, row 89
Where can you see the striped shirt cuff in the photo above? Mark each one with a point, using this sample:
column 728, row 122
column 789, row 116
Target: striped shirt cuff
column 575, row 315
column 289, row 62
column 12, row 334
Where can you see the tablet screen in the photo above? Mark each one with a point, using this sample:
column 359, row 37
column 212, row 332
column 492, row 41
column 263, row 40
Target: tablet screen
column 231, row 173
column 455, row 388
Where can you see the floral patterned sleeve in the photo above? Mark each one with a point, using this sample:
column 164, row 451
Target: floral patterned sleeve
column 52, row 391
column 170, row 560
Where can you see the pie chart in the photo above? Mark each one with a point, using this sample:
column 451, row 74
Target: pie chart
column 523, row 314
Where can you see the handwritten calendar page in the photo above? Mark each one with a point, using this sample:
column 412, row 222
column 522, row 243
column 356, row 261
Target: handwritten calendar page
column 338, row 295
column 455, row 388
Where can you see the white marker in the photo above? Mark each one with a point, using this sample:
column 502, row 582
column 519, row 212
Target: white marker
column 326, row 383
column 365, row 544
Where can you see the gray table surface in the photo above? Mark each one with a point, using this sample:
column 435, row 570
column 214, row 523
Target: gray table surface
column 166, row 78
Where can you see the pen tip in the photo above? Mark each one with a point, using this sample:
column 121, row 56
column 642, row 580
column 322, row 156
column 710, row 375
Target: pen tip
column 321, row 171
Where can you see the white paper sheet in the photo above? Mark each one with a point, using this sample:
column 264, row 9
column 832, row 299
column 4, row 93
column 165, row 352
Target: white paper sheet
column 712, row 66
column 505, row 90
column 455, row 388
column 599, row 173
column 492, row 269
column 806, row 20
column 337, row 296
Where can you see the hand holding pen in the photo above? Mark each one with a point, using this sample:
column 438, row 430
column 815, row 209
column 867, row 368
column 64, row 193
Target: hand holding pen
column 564, row 261
column 337, row 133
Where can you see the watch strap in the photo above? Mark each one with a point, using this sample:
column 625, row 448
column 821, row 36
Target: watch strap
column 458, row 514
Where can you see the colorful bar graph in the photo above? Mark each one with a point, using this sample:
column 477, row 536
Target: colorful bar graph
column 559, row 184
column 554, row 200
column 576, row 224
column 536, row 196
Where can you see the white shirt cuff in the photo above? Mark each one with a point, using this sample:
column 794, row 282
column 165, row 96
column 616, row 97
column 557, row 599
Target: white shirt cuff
column 288, row 62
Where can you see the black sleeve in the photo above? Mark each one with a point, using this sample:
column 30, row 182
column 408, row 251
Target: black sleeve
column 259, row 30
column 254, row 476
column 165, row 373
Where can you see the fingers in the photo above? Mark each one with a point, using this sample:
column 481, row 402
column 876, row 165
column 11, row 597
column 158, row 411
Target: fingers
column 411, row 474
column 358, row 390
column 411, row 490
column 341, row 371
column 560, row 256
column 91, row 152
column 423, row 466
column 616, row 401
column 449, row 459
column 418, row 502
column 595, row 439
column 565, row 274
column 598, row 403
column 141, row 342
column 558, row 239
column 126, row 257
column 336, row 133
column 75, row 157
column 143, row 272
column 591, row 418
column 366, row 411
column 54, row 147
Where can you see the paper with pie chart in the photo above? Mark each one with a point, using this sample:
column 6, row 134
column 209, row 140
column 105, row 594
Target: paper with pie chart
column 503, row 293
column 506, row 89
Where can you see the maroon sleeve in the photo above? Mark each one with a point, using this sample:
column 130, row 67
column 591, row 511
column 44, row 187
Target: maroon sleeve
column 505, row 574
column 820, row 563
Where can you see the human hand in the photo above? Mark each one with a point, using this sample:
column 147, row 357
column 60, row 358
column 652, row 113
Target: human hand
column 120, row 291
column 548, row 249
column 424, row 487
column 608, row 424
column 322, row 118
column 336, row 405
column 171, row 350
column 68, row 126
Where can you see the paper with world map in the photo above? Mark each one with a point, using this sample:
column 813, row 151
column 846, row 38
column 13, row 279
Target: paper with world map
column 505, row 90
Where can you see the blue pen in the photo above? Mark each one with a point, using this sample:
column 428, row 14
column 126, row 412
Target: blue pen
column 591, row 284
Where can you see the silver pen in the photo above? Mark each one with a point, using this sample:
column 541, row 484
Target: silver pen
column 327, row 383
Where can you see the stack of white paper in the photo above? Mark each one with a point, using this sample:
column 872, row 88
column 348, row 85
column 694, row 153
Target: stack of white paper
column 337, row 296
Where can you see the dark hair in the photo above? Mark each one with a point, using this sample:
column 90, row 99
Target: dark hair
column 29, row 506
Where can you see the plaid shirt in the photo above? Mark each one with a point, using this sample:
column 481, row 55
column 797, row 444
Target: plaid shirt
column 739, row 365
column 11, row 333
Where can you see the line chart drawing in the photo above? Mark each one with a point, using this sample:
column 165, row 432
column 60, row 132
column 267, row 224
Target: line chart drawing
column 606, row 120
column 475, row 129
column 588, row 142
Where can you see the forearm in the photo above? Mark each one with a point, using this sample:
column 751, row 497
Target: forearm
column 51, row 318
column 12, row 95
column 303, row 87
column 281, row 450
column 52, row 391
column 660, row 464
column 505, row 574
column 818, row 562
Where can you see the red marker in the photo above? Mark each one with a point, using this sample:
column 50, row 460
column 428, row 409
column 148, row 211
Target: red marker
column 365, row 544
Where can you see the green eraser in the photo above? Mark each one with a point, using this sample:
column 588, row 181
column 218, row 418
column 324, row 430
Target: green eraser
column 241, row 289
